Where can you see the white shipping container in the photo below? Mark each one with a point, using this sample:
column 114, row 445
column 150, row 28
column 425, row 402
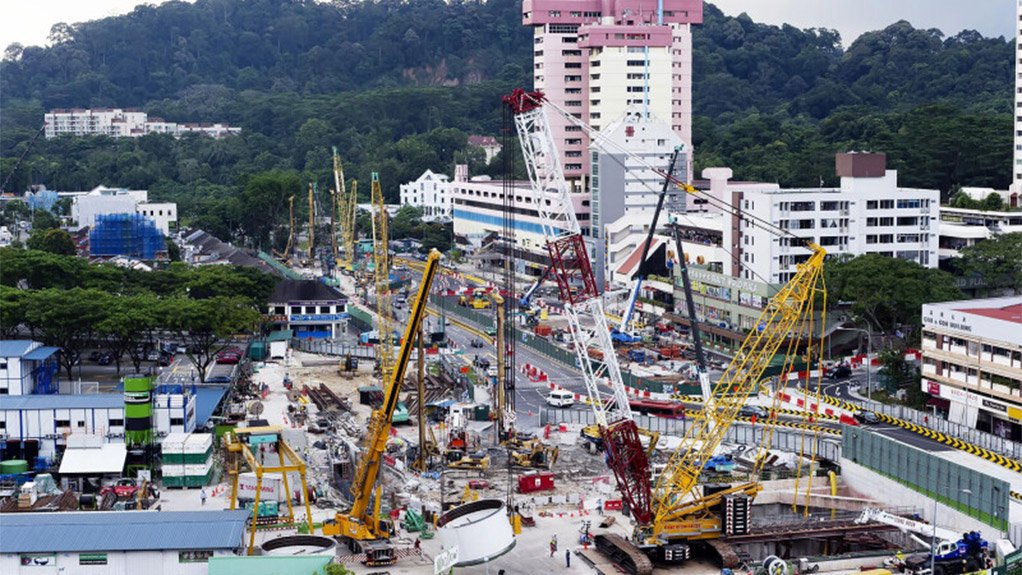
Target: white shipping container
column 198, row 443
column 271, row 488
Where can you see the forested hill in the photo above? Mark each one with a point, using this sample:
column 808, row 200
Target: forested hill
column 305, row 47
column 397, row 85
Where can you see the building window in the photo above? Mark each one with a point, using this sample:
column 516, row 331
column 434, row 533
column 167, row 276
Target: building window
column 116, row 423
column 562, row 28
column 62, row 423
column 636, row 62
column 3, row 364
column 177, row 421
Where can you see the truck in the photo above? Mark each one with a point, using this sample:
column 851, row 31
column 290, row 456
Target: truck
column 952, row 555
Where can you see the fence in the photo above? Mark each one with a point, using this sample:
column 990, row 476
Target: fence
column 783, row 439
column 968, row 491
column 331, row 348
column 1005, row 447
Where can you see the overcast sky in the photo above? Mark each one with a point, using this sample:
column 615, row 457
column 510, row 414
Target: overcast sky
column 29, row 21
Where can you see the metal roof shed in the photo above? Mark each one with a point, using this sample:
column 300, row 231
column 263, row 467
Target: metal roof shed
column 122, row 531
column 106, row 459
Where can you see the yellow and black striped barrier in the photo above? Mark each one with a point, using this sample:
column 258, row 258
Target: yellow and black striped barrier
column 954, row 442
column 1015, row 495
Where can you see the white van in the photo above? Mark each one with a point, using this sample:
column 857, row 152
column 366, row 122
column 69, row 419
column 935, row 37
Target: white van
column 561, row 398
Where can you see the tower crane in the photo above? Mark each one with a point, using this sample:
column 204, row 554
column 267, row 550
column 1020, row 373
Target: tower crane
column 362, row 525
column 583, row 305
column 381, row 274
column 677, row 510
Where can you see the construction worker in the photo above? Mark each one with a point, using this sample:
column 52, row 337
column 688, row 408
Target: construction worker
column 567, row 558
column 553, row 546
column 418, row 546
column 202, row 495
column 599, row 506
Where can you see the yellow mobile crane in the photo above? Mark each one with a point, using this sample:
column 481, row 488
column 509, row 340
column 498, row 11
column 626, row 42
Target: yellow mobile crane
column 362, row 525
column 381, row 274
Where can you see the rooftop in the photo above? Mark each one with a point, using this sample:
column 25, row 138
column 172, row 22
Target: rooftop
column 15, row 347
column 304, row 290
column 76, row 401
column 122, row 531
column 1010, row 313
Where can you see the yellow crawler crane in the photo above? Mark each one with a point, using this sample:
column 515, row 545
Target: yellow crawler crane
column 381, row 274
column 681, row 510
column 362, row 525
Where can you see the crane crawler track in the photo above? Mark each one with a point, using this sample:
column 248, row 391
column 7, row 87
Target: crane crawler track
column 624, row 554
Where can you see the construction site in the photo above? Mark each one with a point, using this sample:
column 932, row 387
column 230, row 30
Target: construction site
column 424, row 413
column 472, row 426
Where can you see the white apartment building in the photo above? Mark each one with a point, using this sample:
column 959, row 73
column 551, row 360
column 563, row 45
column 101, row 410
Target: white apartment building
column 593, row 58
column 624, row 183
column 431, row 192
column 868, row 213
column 961, row 228
column 972, row 358
column 85, row 206
column 123, row 123
column 478, row 210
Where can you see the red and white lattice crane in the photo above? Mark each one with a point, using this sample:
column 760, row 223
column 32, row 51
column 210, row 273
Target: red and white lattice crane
column 583, row 305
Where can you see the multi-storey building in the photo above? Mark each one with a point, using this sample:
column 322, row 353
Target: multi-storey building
column 961, row 228
column 868, row 213
column 431, row 192
column 736, row 264
column 479, row 218
column 85, row 206
column 310, row 309
column 123, row 123
column 972, row 358
column 594, row 58
column 625, row 182
column 490, row 146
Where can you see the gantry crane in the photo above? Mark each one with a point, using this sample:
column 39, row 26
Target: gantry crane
column 583, row 305
column 240, row 455
column 381, row 274
column 362, row 525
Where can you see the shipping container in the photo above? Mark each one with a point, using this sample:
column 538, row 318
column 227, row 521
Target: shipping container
column 533, row 482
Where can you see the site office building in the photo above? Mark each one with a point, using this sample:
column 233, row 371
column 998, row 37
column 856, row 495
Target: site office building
column 594, row 58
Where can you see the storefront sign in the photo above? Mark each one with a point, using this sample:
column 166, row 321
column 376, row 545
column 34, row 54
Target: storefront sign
column 319, row 317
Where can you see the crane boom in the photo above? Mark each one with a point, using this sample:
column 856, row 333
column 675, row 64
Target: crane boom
column 784, row 316
column 359, row 523
column 381, row 273
column 569, row 259
column 693, row 322
column 641, row 270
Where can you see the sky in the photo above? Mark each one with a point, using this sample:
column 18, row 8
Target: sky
column 29, row 21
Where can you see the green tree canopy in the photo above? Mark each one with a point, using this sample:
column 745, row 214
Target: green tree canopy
column 997, row 260
column 53, row 241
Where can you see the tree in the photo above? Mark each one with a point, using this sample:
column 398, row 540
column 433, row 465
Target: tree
column 128, row 327
column 67, row 319
column 44, row 220
column 406, row 223
column 53, row 241
column 997, row 260
column 206, row 326
column 12, row 311
column 888, row 292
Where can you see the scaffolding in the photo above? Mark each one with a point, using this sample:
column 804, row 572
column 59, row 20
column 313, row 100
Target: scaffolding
column 132, row 235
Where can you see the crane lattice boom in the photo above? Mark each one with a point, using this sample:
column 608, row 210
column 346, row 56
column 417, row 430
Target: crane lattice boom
column 381, row 273
column 583, row 306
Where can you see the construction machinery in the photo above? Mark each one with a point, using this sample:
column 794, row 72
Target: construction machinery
column 312, row 224
column 583, row 305
column 338, row 214
column 286, row 254
column 952, row 553
column 239, row 444
column 531, row 453
column 361, row 525
column 677, row 510
column 381, row 276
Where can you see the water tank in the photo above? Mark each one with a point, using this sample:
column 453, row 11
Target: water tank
column 12, row 466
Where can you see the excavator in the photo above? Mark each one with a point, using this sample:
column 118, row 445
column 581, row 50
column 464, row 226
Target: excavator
column 361, row 526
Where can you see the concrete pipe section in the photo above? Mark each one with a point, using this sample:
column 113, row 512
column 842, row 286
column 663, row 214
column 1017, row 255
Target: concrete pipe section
column 300, row 545
column 480, row 530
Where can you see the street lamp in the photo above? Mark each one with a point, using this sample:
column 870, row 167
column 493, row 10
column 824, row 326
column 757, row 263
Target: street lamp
column 933, row 532
column 869, row 351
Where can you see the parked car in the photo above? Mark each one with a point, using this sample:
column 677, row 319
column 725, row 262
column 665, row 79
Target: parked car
column 840, row 372
column 105, row 358
column 560, row 398
column 95, row 355
column 153, row 356
column 165, row 359
column 123, row 488
column 476, row 342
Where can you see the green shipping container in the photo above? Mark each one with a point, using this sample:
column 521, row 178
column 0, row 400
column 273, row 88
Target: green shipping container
column 189, row 458
column 481, row 413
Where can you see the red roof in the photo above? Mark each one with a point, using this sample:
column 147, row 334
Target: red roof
column 482, row 141
column 1012, row 313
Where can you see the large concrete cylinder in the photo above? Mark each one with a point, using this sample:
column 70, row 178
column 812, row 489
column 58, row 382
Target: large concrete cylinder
column 480, row 530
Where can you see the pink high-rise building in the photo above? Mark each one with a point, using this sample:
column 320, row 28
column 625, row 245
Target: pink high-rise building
column 593, row 58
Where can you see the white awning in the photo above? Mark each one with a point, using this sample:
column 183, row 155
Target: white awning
column 108, row 459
